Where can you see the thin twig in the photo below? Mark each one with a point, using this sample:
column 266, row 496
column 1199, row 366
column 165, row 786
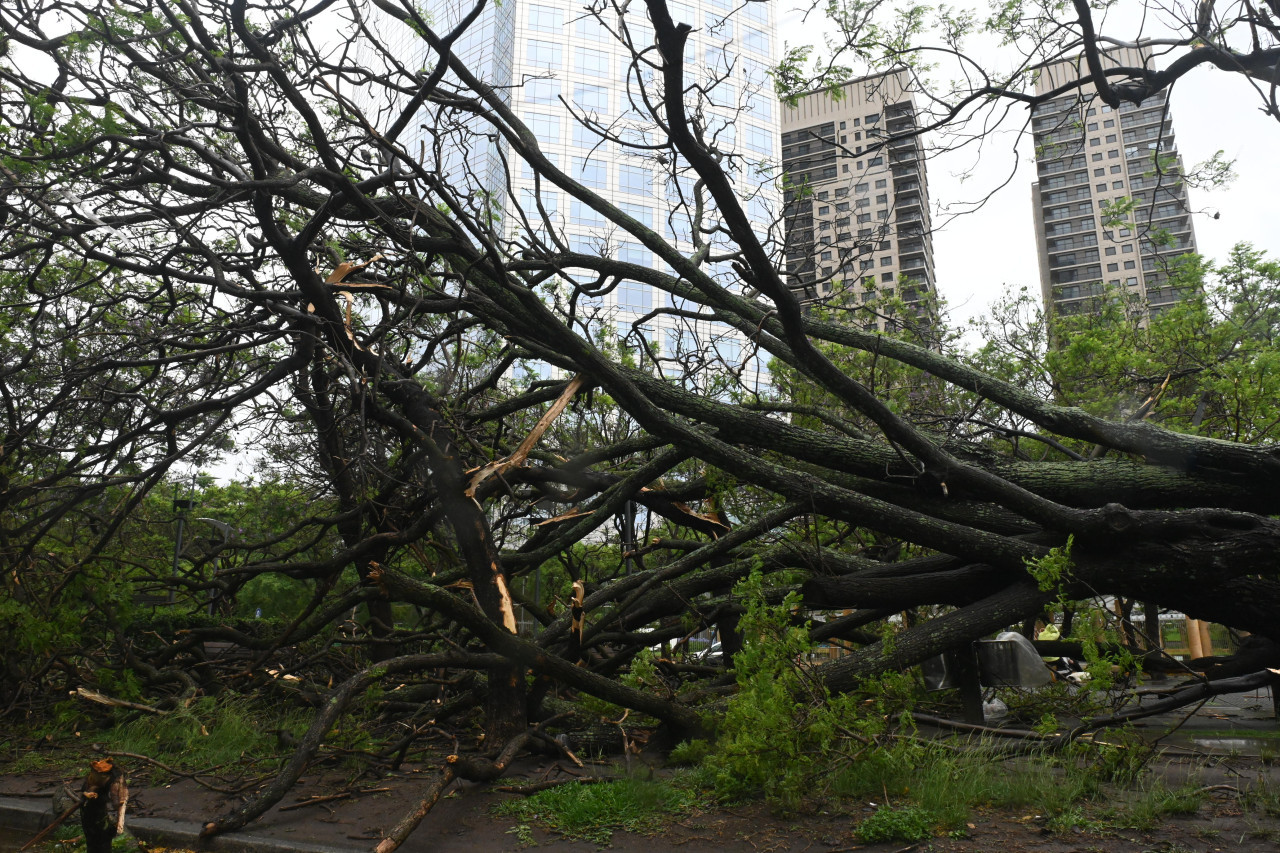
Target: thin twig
column 343, row 795
column 166, row 768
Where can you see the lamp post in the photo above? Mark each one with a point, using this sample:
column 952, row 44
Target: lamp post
column 226, row 530
column 180, row 505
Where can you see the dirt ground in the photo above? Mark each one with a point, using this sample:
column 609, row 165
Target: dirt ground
column 465, row 820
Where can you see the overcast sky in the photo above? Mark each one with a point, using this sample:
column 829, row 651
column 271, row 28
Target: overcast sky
column 977, row 255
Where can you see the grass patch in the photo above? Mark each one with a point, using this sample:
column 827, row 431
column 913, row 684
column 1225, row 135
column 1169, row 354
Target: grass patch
column 209, row 733
column 947, row 780
column 1155, row 803
column 1262, row 797
column 595, row 812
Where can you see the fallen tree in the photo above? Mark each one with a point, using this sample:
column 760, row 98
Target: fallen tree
column 213, row 227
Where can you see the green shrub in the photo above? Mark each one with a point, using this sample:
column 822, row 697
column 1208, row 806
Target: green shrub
column 904, row 823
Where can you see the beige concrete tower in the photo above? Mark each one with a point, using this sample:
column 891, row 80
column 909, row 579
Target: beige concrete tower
column 857, row 201
column 1091, row 160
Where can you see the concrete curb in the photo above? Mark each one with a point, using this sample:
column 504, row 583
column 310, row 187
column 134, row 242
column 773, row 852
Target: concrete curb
column 23, row 813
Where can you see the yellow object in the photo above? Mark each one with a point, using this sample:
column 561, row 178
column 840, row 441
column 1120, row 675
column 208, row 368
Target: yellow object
column 1049, row 634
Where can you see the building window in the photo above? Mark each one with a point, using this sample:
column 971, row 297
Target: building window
column 591, row 173
column 591, row 28
column 585, row 137
column 1129, row 265
column 759, row 140
column 1095, row 142
column 1097, row 156
column 759, row 106
column 886, row 261
column 546, row 128
column 1115, row 170
column 591, row 98
column 639, row 212
column 755, row 40
column 1113, row 268
column 887, row 276
column 593, row 63
column 582, row 214
column 634, row 253
column 546, row 19
column 1113, row 153
column 876, row 161
column 635, row 179
column 1098, row 173
column 1117, row 185
column 826, row 256
column 883, row 198
column 634, row 296
column 529, row 201
column 881, row 183
column 1100, row 187
column 679, row 228
column 542, row 91
column 1110, row 250
column 542, row 54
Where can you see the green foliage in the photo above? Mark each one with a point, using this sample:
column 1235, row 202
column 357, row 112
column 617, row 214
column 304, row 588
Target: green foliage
column 689, row 752
column 783, row 732
column 211, row 732
column 1120, row 758
column 595, row 812
column 1050, row 570
column 1206, row 364
column 903, row 823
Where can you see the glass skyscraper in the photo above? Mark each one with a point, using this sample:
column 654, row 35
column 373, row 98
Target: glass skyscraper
column 585, row 81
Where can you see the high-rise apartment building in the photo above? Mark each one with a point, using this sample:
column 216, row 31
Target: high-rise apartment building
column 857, row 200
column 1110, row 204
column 568, row 70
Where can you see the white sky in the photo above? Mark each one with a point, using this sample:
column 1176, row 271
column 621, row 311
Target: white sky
column 978, row 254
